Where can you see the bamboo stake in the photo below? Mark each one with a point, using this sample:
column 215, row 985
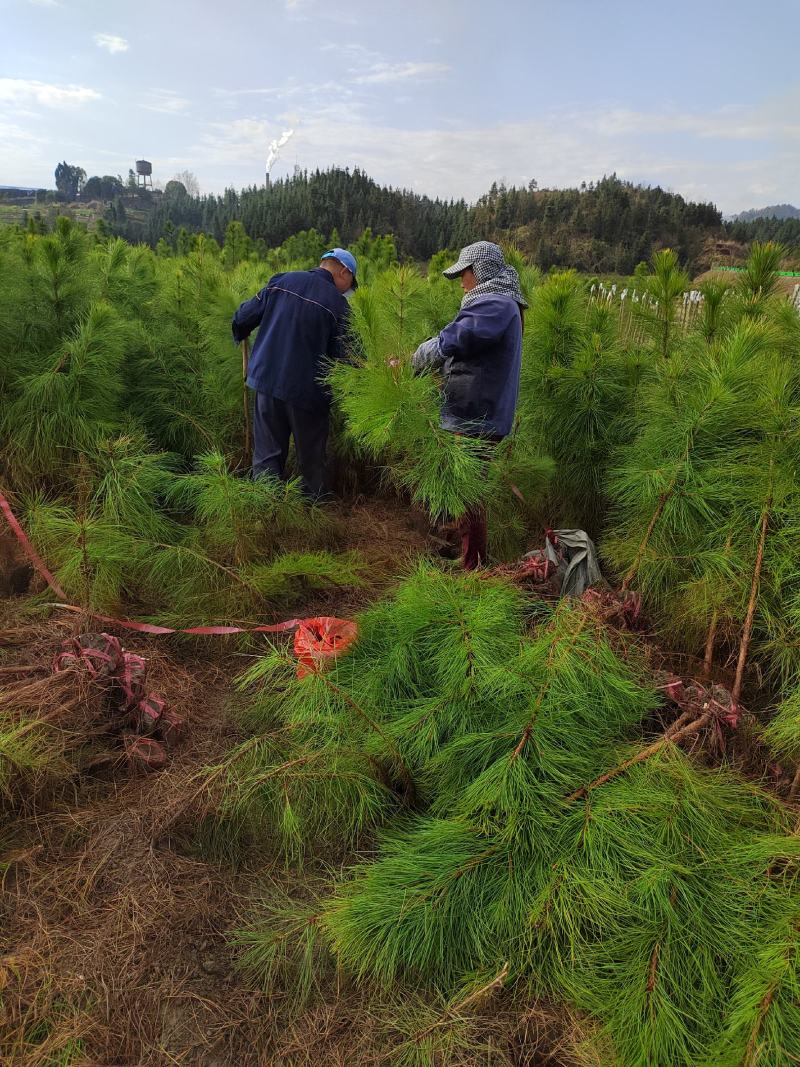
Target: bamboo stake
column 708, row 658
column 747, row 632
column 85, row 565
column 248, row 447
column 672, row 736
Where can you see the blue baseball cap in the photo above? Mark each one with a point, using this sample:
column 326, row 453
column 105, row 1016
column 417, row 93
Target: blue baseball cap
column 347, row 259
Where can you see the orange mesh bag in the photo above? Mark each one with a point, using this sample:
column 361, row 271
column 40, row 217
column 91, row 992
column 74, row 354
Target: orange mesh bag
column 318, row 641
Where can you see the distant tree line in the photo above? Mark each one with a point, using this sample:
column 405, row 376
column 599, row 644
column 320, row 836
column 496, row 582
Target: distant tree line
column 608, row 226
column 335, row 199
column 785, row 231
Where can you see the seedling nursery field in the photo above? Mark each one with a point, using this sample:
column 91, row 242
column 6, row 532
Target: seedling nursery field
column 500, row 826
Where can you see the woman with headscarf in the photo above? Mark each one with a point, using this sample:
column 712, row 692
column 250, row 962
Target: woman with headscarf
column 479, row 356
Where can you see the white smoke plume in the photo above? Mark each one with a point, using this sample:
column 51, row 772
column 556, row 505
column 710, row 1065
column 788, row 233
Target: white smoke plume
column 275, row 147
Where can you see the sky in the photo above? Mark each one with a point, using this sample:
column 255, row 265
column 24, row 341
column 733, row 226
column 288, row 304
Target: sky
column 444, row 97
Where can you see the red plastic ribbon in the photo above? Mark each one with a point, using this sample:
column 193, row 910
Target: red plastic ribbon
column 152, row 628
column 28, row 548
column 140, row 627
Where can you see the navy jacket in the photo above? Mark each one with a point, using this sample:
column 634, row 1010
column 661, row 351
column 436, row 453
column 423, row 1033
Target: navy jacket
column 479, row 354
column 302, row 321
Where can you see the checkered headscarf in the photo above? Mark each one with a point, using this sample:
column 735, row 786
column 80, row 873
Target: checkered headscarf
column 491, row 271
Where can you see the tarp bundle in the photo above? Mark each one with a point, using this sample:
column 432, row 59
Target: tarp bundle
column 567, row 565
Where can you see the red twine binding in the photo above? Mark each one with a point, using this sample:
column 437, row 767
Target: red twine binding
column 28, row 548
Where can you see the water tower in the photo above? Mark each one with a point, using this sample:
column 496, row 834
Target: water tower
column 144, row 174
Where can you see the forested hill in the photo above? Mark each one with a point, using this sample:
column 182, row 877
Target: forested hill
column 785, row 231
column 610, row 225
column 607, row 226
column 774, row 211
column 328, row 201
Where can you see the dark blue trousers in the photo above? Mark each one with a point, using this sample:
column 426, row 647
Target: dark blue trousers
column 274, row 423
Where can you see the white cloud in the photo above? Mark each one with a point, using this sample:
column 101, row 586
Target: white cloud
column 166, row 101
column 21, row 91
column 728, row 123
column 393, row 72
column 296, row 9
column 26, row 156
column 11, row 132
column 367, row 67
column 44, row 3
column 111, row 42
column 561, row 147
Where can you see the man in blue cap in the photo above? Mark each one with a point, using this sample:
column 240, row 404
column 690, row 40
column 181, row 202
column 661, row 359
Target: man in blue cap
column 302, row 319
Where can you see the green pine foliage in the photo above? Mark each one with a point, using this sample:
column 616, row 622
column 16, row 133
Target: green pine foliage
column 30, row 752
column 205, row 544
column 392, row 415
column 516, row 836
column 120, row 421
column 782, row 735
column 579, row 387
column 235, row 514
column 663, row 288
column 763, row 1026
column 66, row 401
column 479, row 769
column 335, row 752
column 705, row 496
column 288, row 951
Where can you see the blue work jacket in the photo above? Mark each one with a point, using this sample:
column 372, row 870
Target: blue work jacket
column 479, row 355
column 302, row 323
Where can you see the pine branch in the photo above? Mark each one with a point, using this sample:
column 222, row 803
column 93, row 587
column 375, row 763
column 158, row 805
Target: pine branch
column 410, row 789
column 554, row 648
column 662, row 500
column 453, row 1013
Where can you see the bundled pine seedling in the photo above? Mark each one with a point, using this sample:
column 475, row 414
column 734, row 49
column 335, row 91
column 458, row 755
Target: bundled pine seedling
column 392, row 416
column 520, row 844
